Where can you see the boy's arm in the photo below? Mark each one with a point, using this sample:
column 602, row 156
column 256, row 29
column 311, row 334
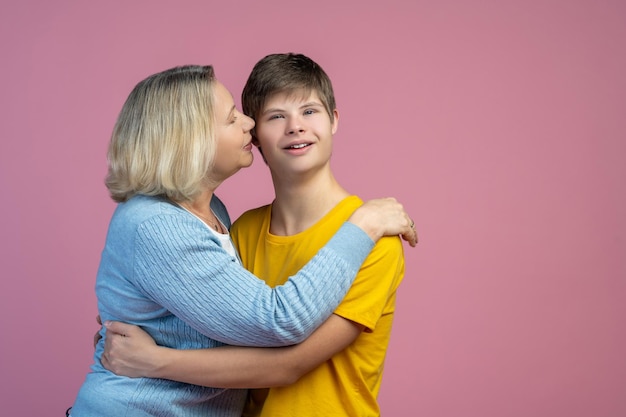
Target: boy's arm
column 131, row 352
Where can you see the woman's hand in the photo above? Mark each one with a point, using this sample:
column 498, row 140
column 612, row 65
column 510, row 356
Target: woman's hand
column 129, row 351
column 385, row 217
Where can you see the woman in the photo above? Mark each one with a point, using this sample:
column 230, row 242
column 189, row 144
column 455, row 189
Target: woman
column 168, row 264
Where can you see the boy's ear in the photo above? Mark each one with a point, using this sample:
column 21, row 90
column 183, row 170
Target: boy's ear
column 335, row 121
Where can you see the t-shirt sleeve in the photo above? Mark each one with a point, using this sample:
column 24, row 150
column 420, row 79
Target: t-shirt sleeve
column 377, row 280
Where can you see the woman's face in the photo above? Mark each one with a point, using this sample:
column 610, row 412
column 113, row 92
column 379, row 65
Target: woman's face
column 232, row 132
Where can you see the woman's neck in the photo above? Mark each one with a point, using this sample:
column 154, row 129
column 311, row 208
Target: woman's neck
column 201, row 208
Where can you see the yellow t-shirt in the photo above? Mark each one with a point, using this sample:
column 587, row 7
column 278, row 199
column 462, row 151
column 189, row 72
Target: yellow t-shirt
column 348, row 383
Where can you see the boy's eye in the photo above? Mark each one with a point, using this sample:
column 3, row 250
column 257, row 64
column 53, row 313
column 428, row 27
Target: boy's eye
column 309, row 111
column 275, row 116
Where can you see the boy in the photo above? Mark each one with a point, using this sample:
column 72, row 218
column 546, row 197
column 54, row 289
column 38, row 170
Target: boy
column 292, row 101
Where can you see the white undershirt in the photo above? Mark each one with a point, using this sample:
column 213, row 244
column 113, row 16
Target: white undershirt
column 225, row 241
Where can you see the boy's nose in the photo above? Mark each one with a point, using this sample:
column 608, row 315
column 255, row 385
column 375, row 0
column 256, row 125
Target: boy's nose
column 294, row 124
column 294, row 127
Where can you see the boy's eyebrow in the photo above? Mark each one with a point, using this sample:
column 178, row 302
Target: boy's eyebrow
column 307, row 104
column 312, row 103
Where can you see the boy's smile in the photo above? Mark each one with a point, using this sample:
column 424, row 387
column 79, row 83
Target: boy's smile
column 298, row 147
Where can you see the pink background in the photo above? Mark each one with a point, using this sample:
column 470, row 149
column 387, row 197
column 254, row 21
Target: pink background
column 499, row 124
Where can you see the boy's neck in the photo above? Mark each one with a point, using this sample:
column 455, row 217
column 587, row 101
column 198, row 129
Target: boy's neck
column 302, row 202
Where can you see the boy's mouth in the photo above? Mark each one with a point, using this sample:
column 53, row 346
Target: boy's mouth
column 298, row 146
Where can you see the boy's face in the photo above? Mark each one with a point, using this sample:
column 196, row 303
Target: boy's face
column 295, row 133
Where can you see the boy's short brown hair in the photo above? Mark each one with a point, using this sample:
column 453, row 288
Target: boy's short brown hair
column 286, row 73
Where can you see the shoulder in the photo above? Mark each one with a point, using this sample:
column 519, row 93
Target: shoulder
column 142, row 208
column 386, row 246
column 351, row 202
column 153, row 216
column 252, row 223
column 389, row 246
column 253, row 216
column 341, row 211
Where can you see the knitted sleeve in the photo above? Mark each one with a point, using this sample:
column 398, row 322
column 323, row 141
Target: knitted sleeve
column 179, row 265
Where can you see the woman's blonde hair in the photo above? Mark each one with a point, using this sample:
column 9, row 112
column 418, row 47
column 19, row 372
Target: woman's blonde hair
column 163, row 141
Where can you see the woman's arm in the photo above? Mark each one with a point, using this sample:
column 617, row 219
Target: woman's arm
column 130, row 351
column 180, row 267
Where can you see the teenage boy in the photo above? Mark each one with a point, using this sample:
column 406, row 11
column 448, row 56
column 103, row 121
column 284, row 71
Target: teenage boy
column 292, row 101
column 337, row 371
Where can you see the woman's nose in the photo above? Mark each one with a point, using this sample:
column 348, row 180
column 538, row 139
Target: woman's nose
column 249, row 123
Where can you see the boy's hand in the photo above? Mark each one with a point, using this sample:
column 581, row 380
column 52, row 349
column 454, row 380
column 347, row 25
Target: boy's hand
column 128, row 350
column 97, row 336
